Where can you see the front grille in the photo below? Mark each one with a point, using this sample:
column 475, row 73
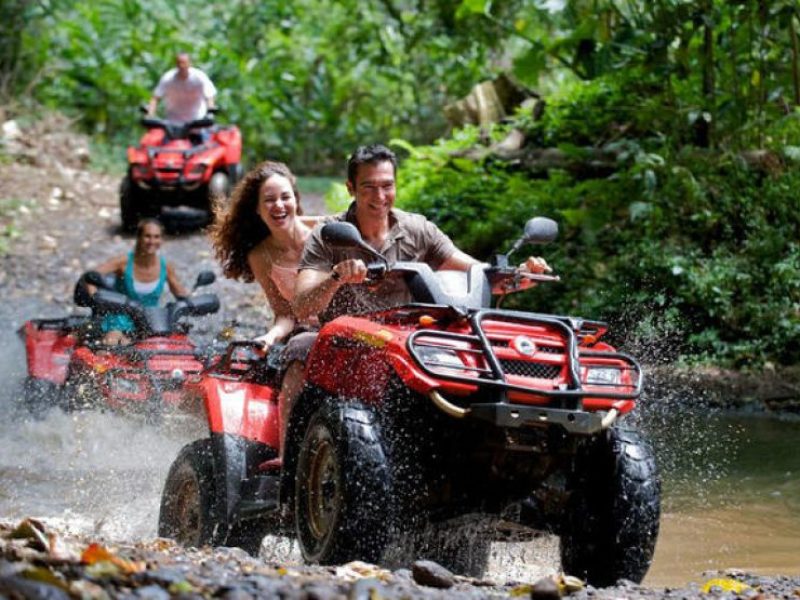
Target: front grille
column 549, row 349
column 524, row 368
column 170, row 385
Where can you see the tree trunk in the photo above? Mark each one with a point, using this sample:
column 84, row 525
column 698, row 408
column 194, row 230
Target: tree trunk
column 703, row 125
column 795, row 61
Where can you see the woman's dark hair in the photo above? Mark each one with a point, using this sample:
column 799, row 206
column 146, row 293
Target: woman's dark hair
column 237, row 228
column 369, row 155
column 140, row 229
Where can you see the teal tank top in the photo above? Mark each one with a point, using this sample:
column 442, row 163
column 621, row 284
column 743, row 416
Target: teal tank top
column 124, row 285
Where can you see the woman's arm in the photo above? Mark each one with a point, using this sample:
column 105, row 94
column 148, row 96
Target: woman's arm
column 175, row 285
column 284, row 318
column 114, row 265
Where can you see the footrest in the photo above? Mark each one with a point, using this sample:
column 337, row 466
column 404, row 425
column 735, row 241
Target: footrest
column 271, row 465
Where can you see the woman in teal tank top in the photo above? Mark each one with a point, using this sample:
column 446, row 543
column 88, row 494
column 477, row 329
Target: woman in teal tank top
column 141, row 275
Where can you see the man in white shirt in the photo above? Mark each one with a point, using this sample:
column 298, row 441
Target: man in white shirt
column 187, row 92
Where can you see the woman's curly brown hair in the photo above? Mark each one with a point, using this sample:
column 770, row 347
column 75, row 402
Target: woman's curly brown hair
column 237, row 228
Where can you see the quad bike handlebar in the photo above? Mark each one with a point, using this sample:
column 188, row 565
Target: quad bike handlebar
column 502, row 278
column 151, row 320
column 178, row 129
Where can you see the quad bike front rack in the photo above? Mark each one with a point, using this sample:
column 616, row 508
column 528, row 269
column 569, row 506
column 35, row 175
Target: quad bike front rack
column 568, row 391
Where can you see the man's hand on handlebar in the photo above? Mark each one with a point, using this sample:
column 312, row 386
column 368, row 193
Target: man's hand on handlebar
column 352, row 270
column 535, row 264
column 524, row 277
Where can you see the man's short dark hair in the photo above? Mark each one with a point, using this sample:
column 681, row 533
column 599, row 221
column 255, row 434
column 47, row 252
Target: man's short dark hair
column 369, row 155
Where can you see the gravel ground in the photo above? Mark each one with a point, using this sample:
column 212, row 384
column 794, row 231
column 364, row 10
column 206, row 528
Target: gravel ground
column 68, row 221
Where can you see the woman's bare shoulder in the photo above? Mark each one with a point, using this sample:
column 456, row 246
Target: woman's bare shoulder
column 116, row 264
column 260, row 256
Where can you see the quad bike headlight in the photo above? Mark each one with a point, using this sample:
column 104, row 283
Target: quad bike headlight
column 140, row 171
column 603, row 376
column 439, row 358
column 198, row 169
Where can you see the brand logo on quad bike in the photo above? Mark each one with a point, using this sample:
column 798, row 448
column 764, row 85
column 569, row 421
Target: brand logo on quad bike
column 524, row 345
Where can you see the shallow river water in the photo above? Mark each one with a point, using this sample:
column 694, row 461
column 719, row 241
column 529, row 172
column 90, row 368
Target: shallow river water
column 731, row 485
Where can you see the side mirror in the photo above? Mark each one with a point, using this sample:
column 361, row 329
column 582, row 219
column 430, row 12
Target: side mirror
column 540, row 230
column 204, row 278
column 346, row 235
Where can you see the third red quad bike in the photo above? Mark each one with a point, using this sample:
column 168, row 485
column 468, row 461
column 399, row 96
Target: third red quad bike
column 68, row 366
column 179, row 164
column 420, row 415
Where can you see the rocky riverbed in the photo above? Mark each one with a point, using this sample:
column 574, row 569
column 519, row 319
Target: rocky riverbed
column 61, row 218
column 37, row 562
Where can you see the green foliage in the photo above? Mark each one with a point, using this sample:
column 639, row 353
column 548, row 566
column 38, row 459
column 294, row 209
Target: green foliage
column 337, row 198
column 306, row 81
column 701, row 258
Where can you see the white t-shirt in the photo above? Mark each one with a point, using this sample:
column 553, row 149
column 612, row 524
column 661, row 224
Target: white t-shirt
column 185, row 99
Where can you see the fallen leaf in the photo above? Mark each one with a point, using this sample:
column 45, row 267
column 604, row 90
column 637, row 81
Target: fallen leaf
column 726, row 585
column 181, row 587
column 521, row 590
column 44, row 575
column 96, row 554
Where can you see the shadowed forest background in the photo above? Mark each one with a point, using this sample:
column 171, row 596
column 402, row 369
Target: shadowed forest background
column 663, row 135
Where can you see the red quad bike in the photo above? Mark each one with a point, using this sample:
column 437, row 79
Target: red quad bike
column 175, row 164
column 417, row 416
column 68, row 366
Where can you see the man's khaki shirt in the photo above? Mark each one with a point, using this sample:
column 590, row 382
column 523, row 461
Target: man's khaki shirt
column 412, row 238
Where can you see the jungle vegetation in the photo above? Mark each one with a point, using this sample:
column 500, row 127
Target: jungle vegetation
column 675, row 124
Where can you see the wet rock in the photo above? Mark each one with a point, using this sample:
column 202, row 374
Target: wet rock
column 151, row 592
column 432, row 574
column 368, row 589
column 403, row 575
column 11, row 130
column 162, row 576
column 19, row 587
column 234, row 593
column 317, row 591
column 545, row 589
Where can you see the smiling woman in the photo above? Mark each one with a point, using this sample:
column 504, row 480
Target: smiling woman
column 141, row 275
column 260, row 237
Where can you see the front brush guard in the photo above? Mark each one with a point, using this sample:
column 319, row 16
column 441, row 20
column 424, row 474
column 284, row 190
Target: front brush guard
column 571, row 393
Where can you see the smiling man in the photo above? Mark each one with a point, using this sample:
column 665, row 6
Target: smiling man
column 331, row 280
column 187, row 92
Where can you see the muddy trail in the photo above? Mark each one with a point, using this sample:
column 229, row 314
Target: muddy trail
column 91, row 483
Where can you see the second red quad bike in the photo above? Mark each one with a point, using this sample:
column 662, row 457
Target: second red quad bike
column 69, row 367
column 179, row 164
column 419, row 416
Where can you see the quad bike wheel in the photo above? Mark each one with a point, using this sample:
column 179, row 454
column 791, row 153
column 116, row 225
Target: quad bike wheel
column 220, row 185
column 188, row 512
column 611, row 526
column 342, row 493
column 38, row 396
column 80, row 392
